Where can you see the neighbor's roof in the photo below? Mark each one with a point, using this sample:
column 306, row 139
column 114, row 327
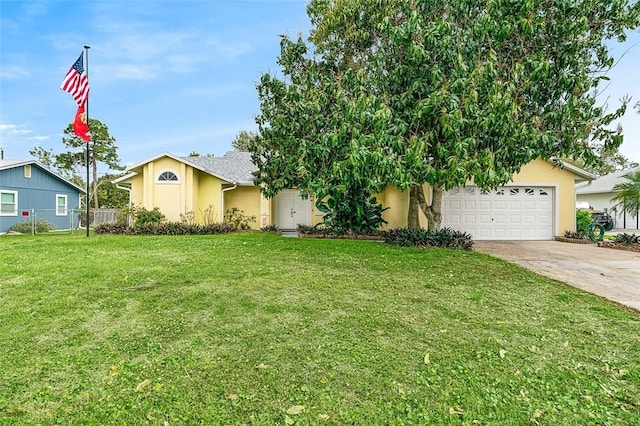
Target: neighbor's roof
column 10, row 164
column 605, row 183
column 233, row 167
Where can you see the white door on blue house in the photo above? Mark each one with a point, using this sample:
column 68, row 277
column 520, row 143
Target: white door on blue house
column 292, row 210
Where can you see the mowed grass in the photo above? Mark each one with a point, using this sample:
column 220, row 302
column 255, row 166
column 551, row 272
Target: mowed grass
column 254, row 328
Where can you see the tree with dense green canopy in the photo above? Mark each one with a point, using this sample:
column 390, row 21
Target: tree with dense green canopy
column 405, row 93
column 103, row 149
column 243, row 140
column 111, row 197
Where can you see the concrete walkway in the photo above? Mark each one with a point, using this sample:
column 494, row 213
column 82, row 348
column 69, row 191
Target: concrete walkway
column 610, row 273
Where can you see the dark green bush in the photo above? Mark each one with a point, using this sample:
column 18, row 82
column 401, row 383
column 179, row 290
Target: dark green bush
column 143, row 216
column 238, row 219
column 42, row 226
column 443, row 238
column 166, row 228
column 111, row 228
column 351, row 211
column 583, row 220
column 269, row 228
column 627, row 239
column 320, row 229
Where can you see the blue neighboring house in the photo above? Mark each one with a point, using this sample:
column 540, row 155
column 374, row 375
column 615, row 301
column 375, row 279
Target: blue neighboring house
column 28, row 190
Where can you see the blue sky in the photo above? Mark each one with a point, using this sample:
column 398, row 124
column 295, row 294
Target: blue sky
column 175, row 76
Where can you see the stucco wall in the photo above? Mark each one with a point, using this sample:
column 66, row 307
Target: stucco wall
column 137, row 193
column 209, row 198
column 398, row 201
column 247, row 199
column 169, row 197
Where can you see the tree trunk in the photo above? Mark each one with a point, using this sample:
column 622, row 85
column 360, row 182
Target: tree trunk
column 433, row 212
column 413, row 221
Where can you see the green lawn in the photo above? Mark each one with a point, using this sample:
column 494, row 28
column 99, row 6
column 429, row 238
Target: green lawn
column 255, row 328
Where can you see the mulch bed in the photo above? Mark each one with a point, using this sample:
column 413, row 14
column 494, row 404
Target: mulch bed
column 574, row 240
column 609, row 244
column 342, row 237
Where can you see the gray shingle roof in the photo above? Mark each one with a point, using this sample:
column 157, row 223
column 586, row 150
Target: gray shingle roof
column 605, row 183
column 235, row 166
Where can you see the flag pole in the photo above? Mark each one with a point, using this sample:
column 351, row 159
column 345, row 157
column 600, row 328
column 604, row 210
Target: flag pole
column 86, row 110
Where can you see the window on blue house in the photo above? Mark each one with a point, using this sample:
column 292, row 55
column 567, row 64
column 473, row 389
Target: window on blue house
column 8, row 203
column 61, row 205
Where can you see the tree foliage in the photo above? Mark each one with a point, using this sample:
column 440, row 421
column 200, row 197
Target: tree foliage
column 628, row 194
column 438, row 92
column 243, row 140
column 110, row 196
column 610, row 160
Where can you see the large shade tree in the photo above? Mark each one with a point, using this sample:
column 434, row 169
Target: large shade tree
column 72, row 162
column 103, row 149
column 410, row 92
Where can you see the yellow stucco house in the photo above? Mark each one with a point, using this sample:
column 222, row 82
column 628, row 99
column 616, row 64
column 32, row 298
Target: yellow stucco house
column 538, row 204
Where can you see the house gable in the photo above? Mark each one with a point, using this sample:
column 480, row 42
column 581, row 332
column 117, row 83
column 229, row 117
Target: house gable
column 36, row 191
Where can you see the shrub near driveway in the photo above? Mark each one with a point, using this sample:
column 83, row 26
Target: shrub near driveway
column 254, row 328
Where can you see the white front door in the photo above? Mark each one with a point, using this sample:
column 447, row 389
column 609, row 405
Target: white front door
column 507, row 213
column 292, row 210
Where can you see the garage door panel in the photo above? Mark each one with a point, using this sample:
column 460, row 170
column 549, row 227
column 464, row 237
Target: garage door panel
column 516, row 213
column 531, row 205
column 484, row 205
column 482, row 234
column 469, row 218
column 484, row 219
column 515, row 205
column 499, row 219
column 471, row 205
column 500, row 205
column 514, row 219
column 500, row 234
column 453, row 205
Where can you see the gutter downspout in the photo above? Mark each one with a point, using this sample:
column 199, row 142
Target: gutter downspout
column 129, row 191
column 235, row 185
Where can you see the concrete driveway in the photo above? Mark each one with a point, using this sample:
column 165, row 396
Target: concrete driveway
column 610, row 273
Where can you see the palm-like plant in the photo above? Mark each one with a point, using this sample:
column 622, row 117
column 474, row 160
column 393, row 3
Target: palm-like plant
column 628, row 196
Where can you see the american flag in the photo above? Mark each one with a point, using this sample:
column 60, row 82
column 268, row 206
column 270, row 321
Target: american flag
column 76, row 82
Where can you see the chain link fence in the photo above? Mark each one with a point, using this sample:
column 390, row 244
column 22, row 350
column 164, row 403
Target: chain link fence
column 38, row 221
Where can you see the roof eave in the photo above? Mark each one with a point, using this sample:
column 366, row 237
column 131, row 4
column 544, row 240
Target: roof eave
column 581, row 175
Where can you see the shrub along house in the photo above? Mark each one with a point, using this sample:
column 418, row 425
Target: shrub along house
column 29, row 191
column 538, row 204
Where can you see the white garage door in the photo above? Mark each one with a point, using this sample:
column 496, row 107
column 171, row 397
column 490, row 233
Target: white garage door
column 508, row 213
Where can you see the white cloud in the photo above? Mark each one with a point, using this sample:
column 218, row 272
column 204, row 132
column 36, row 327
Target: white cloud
column 228, row 49
column 13, row 130
column 215, row 92
column 13, row 72
column 127, row 71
